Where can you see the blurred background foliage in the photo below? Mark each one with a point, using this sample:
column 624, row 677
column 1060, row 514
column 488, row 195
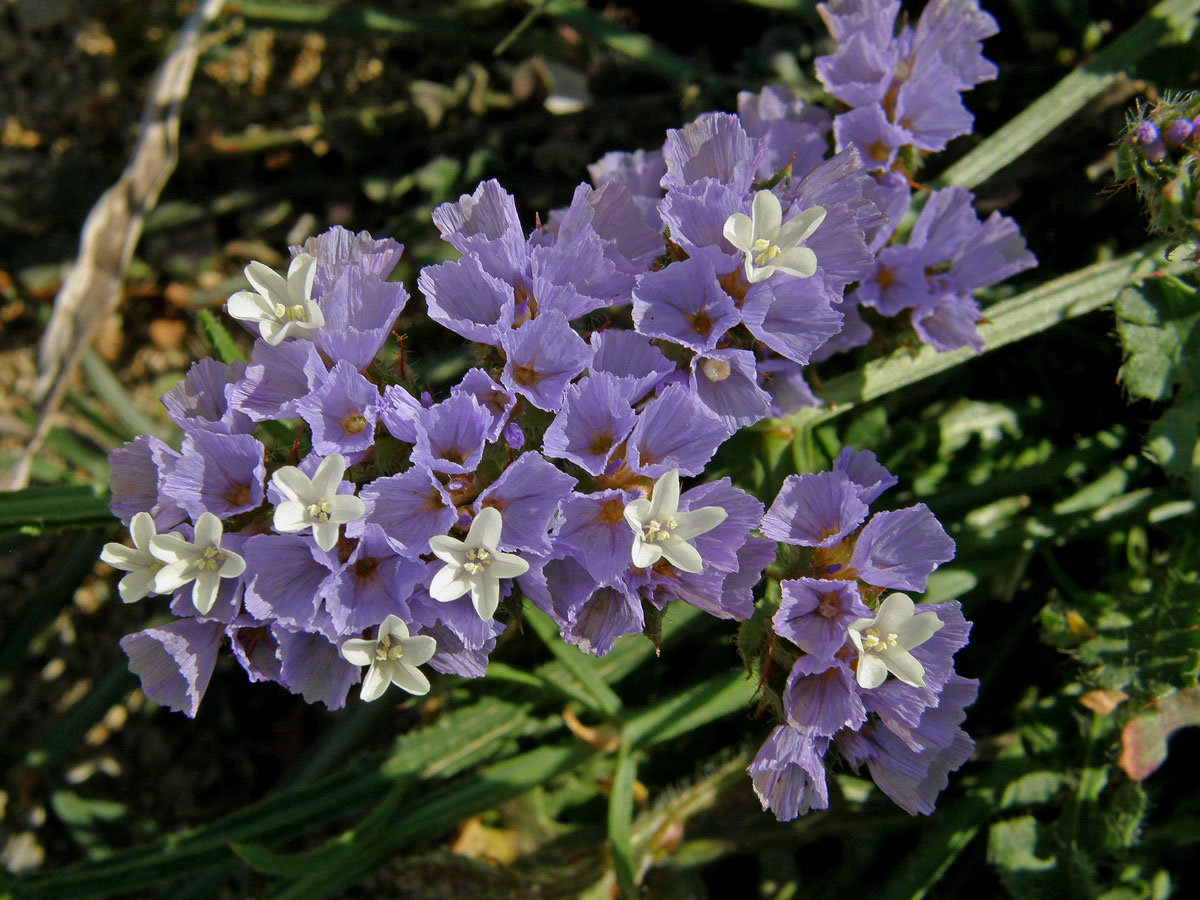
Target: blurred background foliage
column 1064, row 465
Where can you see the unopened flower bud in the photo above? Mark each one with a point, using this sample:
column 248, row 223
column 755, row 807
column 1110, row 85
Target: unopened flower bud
column 1149, row 144
column 514, row 436
column 1177, row 132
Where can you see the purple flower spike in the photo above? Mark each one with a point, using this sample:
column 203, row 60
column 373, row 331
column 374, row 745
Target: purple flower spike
column 685, row 303
column 862, row 468
column 410, row 507
column 815, row 510
column 175, row 661
column 631, row 357
column 199, row 400
column 527, row 493
column 218, row 473
column 815, row 614
column 543, row 355
column 822, row 694
column 792, row 131
column 789, row 772
column 901, row 548
column 342, row 412
column 675, row 431
column 451, row 435
column 595, row 418
column 609, row 613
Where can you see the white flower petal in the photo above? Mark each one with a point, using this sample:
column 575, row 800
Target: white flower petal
column 409, row 679
column 800, row 226
column 325, row 534
column 267, row 282
column 637, row 512
column 485, row 595
column 125, row 558
column 136, row 585
column 393, row 626
column 233, row 566
column 739, row 231
column 871, row 671
column 486, row 528
column 904, row 666
column 358, row 651
column 918, row 629
column 172, row 576
column 294, row 484
column 418, row 650
column 448, row 584
column 798, row 261
column 664, row 501
column 645, row 554
column 698, row 521
column 271, row 331
column 506, row 565
column 374, row 683
column 141, row 529
column 208, row 531
column 447, row 549
column 767, row 214
column 894, row 611
column 755, row 274
column 328, row 475
column 682, row 555
column 291, row 516
column 345, row 508
column 171, row 548
column 300, row 276
column 204, row 591
column 249, row 306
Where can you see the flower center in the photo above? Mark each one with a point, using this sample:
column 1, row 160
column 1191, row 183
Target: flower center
column 477, row 561
column 386, row 651
column 764, row 251
column 354, row 423
column 211, row 559
column 319, row 510
column 657, row 532
column 829, row 606
column 873, row 640
column 715, row 369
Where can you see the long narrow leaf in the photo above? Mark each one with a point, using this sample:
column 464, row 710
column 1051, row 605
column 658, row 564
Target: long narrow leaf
column 620, row 820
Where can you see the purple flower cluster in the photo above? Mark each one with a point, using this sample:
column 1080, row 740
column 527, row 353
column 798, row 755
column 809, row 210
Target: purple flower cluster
column 903, row 86
column 849, row 636
column 674, row 301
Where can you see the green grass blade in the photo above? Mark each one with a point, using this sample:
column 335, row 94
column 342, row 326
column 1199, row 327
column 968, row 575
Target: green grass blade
column 223, row 346
column 603, row 700
column 620, row 820
column 34, row 510
column 689, row 709
column 110, row 392
column 943, row 840
column 1171, row 21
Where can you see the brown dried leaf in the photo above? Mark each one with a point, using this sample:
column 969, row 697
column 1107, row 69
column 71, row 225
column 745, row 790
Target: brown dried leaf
column 1144, row 739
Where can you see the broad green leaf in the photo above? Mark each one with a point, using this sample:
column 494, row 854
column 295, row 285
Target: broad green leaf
column 1156, row 321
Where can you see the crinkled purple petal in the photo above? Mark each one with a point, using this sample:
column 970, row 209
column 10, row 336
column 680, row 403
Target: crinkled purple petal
column 595, row 533
column 815, row 510
column 788, row 772
column 631, row 357
column 218, row 473
column 867, row 472
column 792, row 316
column 490, row 394
column 175, row 661
column 451, row 435
column 815, row 613
column 822, row 694
column 410, row 507
column 713, row 146
column 464, row 298
column 595, row 418
column 199, row 400
column 543, row 355
column 685, row 303
column 284, row 573
column 676, row 431
column 276, row 378
column 341, row 411
column 793, row 131
column 528, row 494
column 899, row 549
column 136, row 471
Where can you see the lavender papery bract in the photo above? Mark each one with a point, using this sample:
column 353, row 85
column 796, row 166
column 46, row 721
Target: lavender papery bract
column 201, row 399
column 595, row 418
column 341, row 410
column 218, row 473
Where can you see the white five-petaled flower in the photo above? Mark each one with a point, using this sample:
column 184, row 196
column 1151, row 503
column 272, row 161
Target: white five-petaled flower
column 884, row 641
column 771, row 244
column 315, row 501
column 202, row 561
column 475, row 564
column 393, row 657
column 661, row 531
column 282, row 307
column 136, row 560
